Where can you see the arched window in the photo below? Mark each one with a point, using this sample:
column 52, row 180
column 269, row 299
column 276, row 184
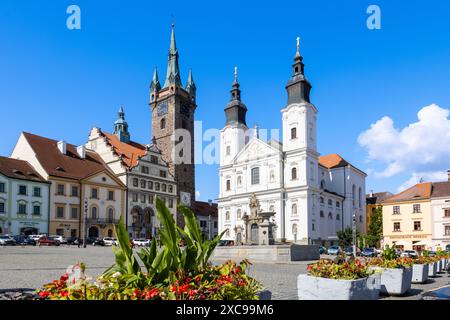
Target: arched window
column 227, row 216
column 294, row 209
column 228, row 185
column 294, row 229
column 255, row 175
column 294, row 173
column 321, row 214
column 110, row 215
column 360, row 197
column 354, row 195
column 163, row 123
column 321, row 200
column 293, row 133
column 239, row 213
column 330, row 215
column 322, row 184
column 94, row 215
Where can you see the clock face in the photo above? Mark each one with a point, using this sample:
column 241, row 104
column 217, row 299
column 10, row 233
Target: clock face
column 162, row 108
column 185, row 198
column 184, row 109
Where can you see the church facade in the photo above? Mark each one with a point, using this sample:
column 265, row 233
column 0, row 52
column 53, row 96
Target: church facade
column 313, row 197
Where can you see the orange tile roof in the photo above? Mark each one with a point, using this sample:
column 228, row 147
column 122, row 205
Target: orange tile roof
column 331, row 161
column 203, row 208
column 417, row 192
column 130, row 152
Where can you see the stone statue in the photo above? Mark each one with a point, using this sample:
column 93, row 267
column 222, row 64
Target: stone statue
column 254, row 206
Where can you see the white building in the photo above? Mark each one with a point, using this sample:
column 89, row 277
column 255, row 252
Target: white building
column 440, row 211
column 24, row 199
column 313, row 197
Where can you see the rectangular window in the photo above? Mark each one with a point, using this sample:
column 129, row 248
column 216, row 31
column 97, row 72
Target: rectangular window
column 396, row 210
column 150, row 185
column 215, row 224
column 143, row 184
column 60, row 212
column 228, row 150
column 150, row 199
column 447, row 230
column 74, row 191
column 154, row 159
column 110, row 195
column 60, row 189
column 135, row 182
column 162, row 173
column 2, row 207
column 74, row 213
column 417, row 226
column 164, row 187
column 22, row 208
column 396, row 226
column 202, row 224
column 321, row 214
column 36, row 192
column 143, row 198
column 36, row 210
column 135, row 197
column 255, row 175
column 73, row 233
column 170, row 203
column 157, row 186
column 313, row 227
column 2, row 187
column 94, row 193
column 447, row 213
column 144, row 169
column 330, row 202
column 23, row 190
column 170, row 188
column 416, row 208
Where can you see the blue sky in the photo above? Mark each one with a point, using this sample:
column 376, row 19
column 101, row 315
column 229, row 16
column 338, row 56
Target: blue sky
column 59, row 83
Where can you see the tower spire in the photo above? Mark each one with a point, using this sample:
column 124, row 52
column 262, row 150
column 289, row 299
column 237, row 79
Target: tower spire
column 235, row 109
column 121, row 127
column 298, row 86
column 155, row 86
column 173, row 71
column 190, row 84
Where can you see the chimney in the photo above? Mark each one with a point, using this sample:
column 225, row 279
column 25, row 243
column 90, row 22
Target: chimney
column 62, row 146
column 81, row 150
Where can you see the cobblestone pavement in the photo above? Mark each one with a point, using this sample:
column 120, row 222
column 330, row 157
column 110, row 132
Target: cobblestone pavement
column 30, row 267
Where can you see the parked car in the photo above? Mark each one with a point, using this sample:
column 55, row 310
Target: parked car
column 99, row 242
column 141, row 242
column 349, row 251
column 409, row 254
column 226, row 243
column 110, row 241
column 36, row 237
column 323, row 250
column 24, row 240
column 74, row 241
column 369, row 252
column 6, row 240
column 48, row 241
column 61, row 239
column 334, row 250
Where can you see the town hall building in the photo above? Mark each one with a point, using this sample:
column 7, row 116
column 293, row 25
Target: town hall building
column 313, row 197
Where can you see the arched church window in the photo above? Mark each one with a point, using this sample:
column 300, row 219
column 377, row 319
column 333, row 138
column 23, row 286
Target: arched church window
column 294, row 173
column 110, row 215
column 294, row 209
column 239, row 213
column 255, row 175
column 293, row 133
column 228, row 185
column 163, row 123
column 330, row 215
column 94, row 215
column 227, row 216
column 338, row 217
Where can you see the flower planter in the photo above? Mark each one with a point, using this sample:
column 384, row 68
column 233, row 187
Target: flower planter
column 395, row 282
column 316, row 288
column 432, row 269
column 439, row 266
column 443, row 264
column 419, row 273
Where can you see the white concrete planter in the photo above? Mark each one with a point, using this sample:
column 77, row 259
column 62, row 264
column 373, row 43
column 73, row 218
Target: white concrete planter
column 420, row 273
column 316, row 288
column 439, row 266
column 432, row 269
column 443, row 265
column 395, row 282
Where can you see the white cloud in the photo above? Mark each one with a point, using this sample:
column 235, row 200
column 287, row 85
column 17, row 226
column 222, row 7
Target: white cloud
column 197, row 195
column 416, row 177
column 422, row 147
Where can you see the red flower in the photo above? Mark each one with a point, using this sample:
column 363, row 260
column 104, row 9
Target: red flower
column 152, row 293
column 64, row 293
column 188, row 279
column 43, row 294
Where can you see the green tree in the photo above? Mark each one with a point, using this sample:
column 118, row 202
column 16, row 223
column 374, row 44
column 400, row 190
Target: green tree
column 345, row 237
column 375, row 228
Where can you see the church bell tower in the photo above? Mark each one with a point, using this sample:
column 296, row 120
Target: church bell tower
column 173, row 108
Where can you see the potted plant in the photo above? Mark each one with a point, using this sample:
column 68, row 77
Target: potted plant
column 442, row 260
column 432, row 264
column 396, row 273
column 420, row 270
column 327, row 280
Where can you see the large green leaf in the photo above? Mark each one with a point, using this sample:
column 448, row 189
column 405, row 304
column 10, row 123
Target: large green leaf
column 191, row 223
column 169, row 236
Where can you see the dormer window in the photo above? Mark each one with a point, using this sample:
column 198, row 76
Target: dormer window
column 18, row 172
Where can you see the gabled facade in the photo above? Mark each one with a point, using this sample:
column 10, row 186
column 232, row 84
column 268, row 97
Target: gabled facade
column 79, row 180
column 313, row 197
column 24, row 199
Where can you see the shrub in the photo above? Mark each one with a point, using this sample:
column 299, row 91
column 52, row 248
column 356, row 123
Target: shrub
column 345, row 271
column 391, row 264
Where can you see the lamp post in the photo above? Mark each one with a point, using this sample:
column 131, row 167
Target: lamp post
column 354, row 233
column 85, row 223
column 209, row 220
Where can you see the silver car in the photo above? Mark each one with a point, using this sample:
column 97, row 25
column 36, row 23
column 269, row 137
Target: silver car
column 334, row 250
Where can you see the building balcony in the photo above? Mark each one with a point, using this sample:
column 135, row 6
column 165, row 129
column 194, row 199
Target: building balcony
column 102, row 221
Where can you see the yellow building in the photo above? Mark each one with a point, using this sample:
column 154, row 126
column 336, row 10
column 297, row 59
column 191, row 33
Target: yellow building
column 407, row 218
column 79, row 179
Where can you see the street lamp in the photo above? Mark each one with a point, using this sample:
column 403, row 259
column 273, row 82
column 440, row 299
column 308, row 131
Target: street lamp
column 354, row 233
column 85, row 223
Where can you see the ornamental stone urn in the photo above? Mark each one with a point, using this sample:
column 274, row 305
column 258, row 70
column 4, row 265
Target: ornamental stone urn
column 394, row 281
column 432, row 269
column 420, row 273
column 317, row 288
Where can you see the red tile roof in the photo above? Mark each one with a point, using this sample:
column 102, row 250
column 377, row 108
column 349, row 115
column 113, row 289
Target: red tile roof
column 130, row 152
column 19, row 169
column 202, row 208
column 69, row 165
column 441, row 189
column 417, row 192
column 332, row 161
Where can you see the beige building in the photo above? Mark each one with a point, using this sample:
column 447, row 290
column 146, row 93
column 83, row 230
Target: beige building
column 407, row 218
column 79, row 179
column 440, row 206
